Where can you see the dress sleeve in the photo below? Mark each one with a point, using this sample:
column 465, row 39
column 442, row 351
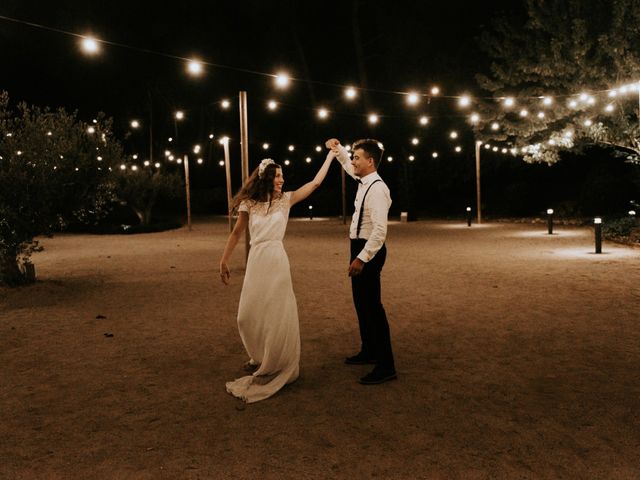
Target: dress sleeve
column 244, row 206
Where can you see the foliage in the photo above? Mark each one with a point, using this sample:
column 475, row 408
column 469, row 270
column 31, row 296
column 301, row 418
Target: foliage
column 561, row 48
column 142, row 187
column 53, row 168
column 626, row 229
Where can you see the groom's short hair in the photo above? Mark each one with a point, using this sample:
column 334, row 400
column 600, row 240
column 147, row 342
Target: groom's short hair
column 373, row 148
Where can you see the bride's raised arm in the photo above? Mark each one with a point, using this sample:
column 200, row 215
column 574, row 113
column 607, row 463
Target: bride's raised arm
column 308, row 188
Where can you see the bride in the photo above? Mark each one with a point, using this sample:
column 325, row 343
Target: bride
column 268, row 313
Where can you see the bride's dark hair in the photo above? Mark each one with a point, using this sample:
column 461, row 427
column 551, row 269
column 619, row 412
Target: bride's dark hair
column 256, row 188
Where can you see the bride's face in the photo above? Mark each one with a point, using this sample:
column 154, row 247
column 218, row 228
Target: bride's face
column 278, row 181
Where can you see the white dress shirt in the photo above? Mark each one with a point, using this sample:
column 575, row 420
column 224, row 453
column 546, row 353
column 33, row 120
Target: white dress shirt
column 376, row 208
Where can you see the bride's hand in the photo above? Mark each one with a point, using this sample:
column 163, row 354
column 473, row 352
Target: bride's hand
column 332, row 143
column 224, row 273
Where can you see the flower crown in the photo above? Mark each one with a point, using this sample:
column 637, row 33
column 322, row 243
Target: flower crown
column 263, row 166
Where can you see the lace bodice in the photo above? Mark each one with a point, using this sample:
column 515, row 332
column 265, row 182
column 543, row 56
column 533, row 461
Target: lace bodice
column 267, row 221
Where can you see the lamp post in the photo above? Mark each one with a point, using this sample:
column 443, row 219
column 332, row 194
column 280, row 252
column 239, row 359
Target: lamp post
column 598, row 233
column 550, row 221
column 478, row 199
column 179, row 115
column 188, row 189
column 224, row 141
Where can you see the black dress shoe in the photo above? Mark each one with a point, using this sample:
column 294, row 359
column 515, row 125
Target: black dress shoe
column 378, row 376
column 359, row 359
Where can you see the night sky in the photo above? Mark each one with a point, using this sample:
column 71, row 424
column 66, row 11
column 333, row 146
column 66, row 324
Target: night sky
column 406, row 45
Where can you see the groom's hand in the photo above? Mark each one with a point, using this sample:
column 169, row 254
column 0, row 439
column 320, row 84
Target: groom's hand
column 332, row 143
column 356, row 267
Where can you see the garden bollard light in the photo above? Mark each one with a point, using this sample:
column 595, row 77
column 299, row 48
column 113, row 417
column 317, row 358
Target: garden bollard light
column 598, row 232
column 550, row 221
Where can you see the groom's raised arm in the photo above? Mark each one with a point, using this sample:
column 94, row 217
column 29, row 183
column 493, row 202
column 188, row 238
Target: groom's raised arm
column 342, row 155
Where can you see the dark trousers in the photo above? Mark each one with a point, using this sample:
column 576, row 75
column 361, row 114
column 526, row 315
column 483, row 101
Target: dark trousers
column 374, row 328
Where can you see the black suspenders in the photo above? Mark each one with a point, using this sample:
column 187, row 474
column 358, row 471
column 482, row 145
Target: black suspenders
column 362, row 208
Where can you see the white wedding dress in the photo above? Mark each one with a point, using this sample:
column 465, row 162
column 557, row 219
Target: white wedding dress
column 268, row 312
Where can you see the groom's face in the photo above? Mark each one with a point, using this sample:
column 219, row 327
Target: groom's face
column 361, row 162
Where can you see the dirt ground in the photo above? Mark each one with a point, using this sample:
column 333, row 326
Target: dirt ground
column 518, row 357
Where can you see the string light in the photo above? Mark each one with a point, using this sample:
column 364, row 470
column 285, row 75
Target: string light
column 318, row 148
column 195, row 67
column 350, row 93
column 373, row 118
column 434, row 154
column 475, row 118
column 272, row 104
column 179, row 115
column 135, row 124
column 453, row 134
column 225, row 104
column 308, row 159
column 282, row 80
column 90, row 45
column 435, row 90
column 411, row 158
column 265, row 146
column 464, row 101
column 157, row 164
column 509, row 102
column 200, row 161
column 415, row 141
column 458, row 149
column 547, row 101
column 524, row 112
column 495, row 126
column 389, row 159
column 291, row 148
column 424, row 120
column 221, row 163
column 323, row 113
column 413, row 98
column 287, row 162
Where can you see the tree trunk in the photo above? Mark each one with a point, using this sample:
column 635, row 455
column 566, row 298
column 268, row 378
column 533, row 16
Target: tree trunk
column 144, row 214
column 10, row 273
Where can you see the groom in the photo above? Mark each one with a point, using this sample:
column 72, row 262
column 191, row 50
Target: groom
column 368, row 232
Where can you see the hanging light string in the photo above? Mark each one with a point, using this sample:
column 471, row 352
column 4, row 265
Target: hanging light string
column 282, row 79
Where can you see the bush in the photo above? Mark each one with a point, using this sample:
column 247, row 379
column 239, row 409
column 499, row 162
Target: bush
column 626, row 229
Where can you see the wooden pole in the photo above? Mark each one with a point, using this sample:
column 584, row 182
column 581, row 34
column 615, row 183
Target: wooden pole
column 227, row 170
column 244, row 144
column 186, row 183
column 478, row 200
column 150, row 127
column 344, row 197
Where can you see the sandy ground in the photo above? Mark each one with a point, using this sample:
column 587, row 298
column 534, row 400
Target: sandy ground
column 518, row 356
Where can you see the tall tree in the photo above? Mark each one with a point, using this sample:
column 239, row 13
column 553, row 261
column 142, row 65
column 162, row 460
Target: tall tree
column 570, row 67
